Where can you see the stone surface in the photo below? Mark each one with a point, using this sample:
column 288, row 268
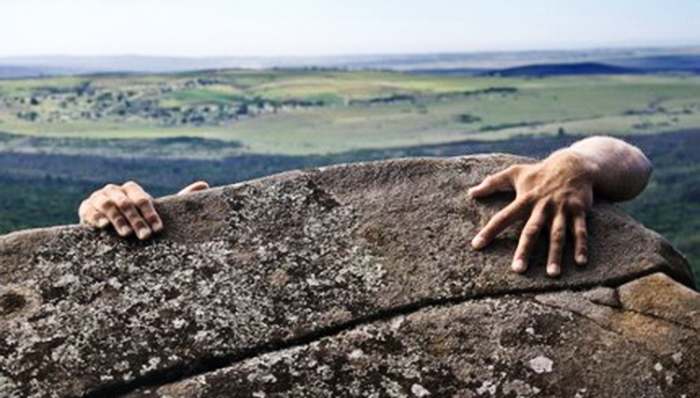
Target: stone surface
column 347, row 280
column 511, row 346
column 661, row 297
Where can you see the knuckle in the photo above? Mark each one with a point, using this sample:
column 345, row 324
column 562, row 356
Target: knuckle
column 557, row 235
column 528, row 177
column 581, row 234
column 130, row 216
column 522, row 204
column 531, row 231
column 112, row 213
column 130, row 184
column 559, row 206
column 139, row 224
column 123, row 204
column 529, row 197
column 142, row 201
column 152, row 218
column 576, row 205
column 535, row 194
column 109, row 187
column 106, row 205
column 514, row 169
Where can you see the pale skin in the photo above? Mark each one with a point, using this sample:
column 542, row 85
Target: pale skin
column 127, row 208
column 554, row 194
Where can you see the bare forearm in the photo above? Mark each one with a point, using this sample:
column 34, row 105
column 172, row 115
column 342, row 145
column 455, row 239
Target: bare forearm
column 620, row 170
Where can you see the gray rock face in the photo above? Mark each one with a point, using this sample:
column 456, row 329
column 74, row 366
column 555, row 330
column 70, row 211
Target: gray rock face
column 345, row 281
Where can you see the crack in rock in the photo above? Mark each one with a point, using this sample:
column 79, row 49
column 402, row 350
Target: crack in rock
column 246, row 270
column 529, row 344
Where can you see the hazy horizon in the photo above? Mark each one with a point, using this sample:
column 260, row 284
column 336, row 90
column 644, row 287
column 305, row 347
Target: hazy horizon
column 693, row 47
column 314, row 28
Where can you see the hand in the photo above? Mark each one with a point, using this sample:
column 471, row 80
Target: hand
column 550, row 194
column 127, row 208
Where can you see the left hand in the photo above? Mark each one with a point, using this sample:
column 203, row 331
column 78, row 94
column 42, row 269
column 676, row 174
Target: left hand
column 553, row 193
column 128, row 208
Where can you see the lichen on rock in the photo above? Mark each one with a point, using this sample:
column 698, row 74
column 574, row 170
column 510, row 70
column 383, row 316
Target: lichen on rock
column 352, row 280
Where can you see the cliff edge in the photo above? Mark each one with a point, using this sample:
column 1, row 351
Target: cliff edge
column 353, row 280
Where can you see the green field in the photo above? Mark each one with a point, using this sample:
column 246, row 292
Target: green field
column 311, row 112
column 62, row 137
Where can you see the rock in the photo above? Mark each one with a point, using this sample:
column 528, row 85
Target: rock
column 661, row 297
column 343, row 281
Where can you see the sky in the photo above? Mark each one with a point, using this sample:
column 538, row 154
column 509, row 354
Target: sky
column 332, row 27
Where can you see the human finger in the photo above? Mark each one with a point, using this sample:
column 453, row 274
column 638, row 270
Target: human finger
column 89, row 215
column 108, row 207
column 498, row 182
column 499, row 222
column 580, row 238
column 194, row 187
column 528, row 237
column 130, row 212
column 144, row 203
column 557, row 237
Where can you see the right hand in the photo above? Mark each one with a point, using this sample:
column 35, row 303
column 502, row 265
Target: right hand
column 128, row 208
column 552, row 194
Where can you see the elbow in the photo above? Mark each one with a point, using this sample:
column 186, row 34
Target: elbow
column 646, row 168
column 638, row 173
column 625, row 170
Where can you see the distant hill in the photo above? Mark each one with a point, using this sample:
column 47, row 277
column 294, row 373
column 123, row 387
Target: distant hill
column 12, row 72
column 582, row 68
column 451, row 71
column 687, row 63
column 30, row 71
column 646, row 59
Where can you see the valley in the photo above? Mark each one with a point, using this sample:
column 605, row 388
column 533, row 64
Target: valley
column 62, row 137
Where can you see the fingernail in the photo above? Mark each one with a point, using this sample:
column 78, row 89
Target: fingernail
column 470, row 192
column 102, row 222
column 157, row 226
column 478, row 242
column 553, row 270
column 581, row 259
column 125, row 231
column 518, row 266
column 143, row 233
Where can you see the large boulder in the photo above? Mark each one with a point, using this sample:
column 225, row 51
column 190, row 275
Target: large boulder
column 352, row 280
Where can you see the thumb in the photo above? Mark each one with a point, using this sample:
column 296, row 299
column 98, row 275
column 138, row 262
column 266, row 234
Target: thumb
column 195, row 187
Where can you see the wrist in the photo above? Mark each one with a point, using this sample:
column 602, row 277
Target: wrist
column 589, row 163
column 578, row 162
